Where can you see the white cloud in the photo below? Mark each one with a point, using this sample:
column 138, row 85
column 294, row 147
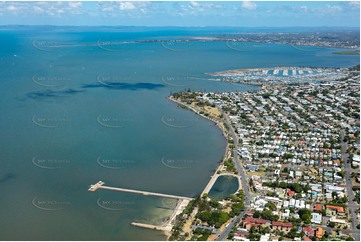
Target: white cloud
column 249, row 5
column 108, row 9
column 126, row 6
column 353, row 4
column 75, row 4
column 195, row 4
column 120, row 8
column 304, row 8
column 331, row 9
column 38, row 9
column 12, row 8
column 41, row 8
column 197, row 8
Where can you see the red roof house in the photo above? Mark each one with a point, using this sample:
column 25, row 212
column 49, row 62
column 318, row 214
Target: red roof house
column 308, row 231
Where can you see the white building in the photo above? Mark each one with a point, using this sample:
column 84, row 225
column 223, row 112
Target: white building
column 292, row 202
column 286, row 203
column 316, row 218
column 286, row 214
column 265, row 237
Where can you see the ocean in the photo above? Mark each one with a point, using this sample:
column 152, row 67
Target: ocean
column 82, row 105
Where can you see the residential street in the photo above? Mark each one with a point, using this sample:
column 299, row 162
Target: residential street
column 244, row 180
column 352, row 205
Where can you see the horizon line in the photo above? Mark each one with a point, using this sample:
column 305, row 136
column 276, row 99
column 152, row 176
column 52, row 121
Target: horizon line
column 175, row 26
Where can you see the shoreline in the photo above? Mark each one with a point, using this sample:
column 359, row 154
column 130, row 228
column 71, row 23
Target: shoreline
column 224, row 132
column 166, row 228
column 221, row 124
column 227, row 154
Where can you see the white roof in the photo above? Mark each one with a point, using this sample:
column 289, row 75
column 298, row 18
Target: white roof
column 286, row 203
column 316, row 218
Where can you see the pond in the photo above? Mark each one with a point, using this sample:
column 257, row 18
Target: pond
column 223, row 187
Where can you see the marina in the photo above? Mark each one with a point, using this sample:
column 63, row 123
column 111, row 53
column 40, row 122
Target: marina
column 257, row 76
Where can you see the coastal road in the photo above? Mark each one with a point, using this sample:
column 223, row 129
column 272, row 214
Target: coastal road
column 244, row 180
column 237, row 162
column 352, row 205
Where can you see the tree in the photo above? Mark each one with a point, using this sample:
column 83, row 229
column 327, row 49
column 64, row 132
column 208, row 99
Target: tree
column 198, row 231
column 214, row 203
column 306, row 217
column 254, row 237
column 325, row 235
column 305, row 214
column 218, row 216
column 293, row 233
column 267, row 214
column 205, row 216
column 207, row 232
column 257, row 214
column 237, row 208
column 306, row 188
column 264, row 230
column 266, row 95
column 271, row 206
column 332, row 224
column 349, row 238
column 295, row 187
column 341, row 173
column 283, row 184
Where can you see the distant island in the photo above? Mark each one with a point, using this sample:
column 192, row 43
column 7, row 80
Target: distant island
column 347, row 52
column 332, row 39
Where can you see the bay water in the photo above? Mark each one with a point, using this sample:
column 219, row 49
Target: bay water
column 82, row 106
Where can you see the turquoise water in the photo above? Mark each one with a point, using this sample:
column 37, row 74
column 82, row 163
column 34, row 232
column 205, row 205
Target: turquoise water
column 76, row 111
column 224, row 186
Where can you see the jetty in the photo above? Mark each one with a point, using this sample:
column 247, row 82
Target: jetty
column 97, row 185
column 145, row 193
column 100, row 185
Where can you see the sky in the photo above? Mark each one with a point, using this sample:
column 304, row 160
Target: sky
column 182, row 13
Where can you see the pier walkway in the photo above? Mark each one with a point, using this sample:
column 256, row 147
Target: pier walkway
column 100, row 185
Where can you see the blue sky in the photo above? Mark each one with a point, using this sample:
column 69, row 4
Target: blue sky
column 183, row 13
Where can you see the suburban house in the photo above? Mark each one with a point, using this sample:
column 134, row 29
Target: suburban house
column 319, row 232
column 281, row 226
column 248, row 223
column 308, row 231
